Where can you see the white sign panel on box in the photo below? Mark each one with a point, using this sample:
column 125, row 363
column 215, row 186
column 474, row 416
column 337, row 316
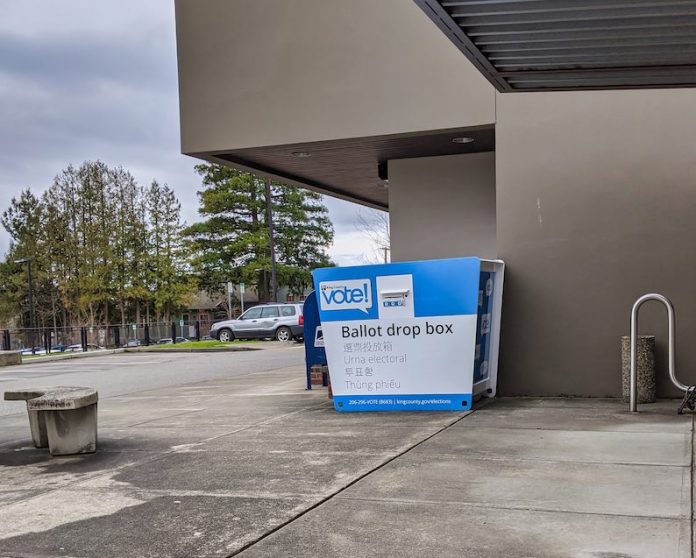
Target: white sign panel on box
column 412, row 335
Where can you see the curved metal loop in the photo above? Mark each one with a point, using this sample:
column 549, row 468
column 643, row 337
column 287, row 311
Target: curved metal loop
column 633, row 404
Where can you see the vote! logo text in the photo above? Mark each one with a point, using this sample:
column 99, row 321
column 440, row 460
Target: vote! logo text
column 354, row 294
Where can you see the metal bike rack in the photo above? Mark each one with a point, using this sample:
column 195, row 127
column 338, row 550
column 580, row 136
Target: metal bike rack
column 633, row 404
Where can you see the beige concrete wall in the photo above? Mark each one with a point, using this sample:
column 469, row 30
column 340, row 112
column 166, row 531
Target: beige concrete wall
column 596, row 205
column 442, row 207
column 273, row 72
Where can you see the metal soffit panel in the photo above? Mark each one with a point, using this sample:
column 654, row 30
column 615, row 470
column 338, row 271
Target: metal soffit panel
column 541, row 45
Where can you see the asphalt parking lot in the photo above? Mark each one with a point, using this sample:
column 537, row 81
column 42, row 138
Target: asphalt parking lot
column 123, row 373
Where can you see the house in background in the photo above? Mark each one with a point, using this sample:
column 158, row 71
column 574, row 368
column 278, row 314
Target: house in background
column 207, row 308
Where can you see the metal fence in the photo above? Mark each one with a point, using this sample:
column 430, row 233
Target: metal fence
column 100, row 337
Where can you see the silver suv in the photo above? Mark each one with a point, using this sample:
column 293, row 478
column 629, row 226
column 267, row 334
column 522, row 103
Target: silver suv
column 281, row 321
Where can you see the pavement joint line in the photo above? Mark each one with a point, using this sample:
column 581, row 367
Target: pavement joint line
column 166, row 417
column 478, row 505
column 33, row 555
column 365, row 453
column 158, row 493
column 389, row 427
column 236, row 429
column 264, row 422
column 684, row 434
column 604, row 430
column 573, row 461
column 453, row 457
column 345, row 487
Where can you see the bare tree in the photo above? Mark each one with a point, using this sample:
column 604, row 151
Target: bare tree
column 374, row 225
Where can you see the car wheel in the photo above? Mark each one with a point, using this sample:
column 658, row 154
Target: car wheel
column 226, row 335
column 283, row 334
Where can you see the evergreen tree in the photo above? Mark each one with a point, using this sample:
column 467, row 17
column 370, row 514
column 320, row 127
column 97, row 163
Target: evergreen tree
column 61, row 229
column 93, row 234
column 167, row 276
column 93, row 261
column 128, row 242
column 22, row 220
column 232, row 242
column 303, row 232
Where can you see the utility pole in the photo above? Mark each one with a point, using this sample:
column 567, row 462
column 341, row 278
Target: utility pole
column 271, row 241
column 386, row 249
column 229, row 300
column 32, row 314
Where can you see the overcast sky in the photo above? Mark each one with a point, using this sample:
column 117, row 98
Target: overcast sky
column 85, row 80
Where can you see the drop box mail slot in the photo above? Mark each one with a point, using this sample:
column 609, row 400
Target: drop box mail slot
column 411, row 336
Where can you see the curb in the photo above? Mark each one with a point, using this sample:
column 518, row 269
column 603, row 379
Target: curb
column 70, row 356
column 211, row 350
column 153, row 349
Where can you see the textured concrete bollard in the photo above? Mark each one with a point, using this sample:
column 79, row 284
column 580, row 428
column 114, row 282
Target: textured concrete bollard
column 10, row 358
column 645, row 363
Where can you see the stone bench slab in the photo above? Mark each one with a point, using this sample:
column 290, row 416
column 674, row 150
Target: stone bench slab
column 54, row 398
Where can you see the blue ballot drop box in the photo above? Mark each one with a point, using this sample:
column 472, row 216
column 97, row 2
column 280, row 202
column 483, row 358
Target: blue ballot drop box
column 315, row 352
column 411, row 336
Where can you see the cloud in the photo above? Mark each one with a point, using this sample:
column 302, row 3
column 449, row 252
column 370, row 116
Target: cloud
column 83, row 80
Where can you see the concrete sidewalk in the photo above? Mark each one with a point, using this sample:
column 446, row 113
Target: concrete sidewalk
column 256, row 466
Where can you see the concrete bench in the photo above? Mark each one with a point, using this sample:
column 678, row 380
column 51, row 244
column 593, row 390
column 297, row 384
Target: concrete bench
column 63, row 419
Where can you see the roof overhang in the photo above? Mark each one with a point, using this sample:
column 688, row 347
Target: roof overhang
column 352, row 169
column 555, row 45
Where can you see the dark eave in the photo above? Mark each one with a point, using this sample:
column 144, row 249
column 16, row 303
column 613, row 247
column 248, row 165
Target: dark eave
column 552, row 45
column 353, row 169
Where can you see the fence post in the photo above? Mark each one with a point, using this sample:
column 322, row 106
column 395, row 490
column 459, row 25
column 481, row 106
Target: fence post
column 173, row 332
column 83, row 338
column 147, row 334
column 47, row 341
column 198, row 330
column 6, row 345
column 117, row 336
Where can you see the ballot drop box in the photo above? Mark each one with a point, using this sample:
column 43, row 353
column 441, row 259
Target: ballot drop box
column 411, row 336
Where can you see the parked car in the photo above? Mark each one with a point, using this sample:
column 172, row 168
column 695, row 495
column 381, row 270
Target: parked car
column 34, row 351
column 284, row 322
column 135, row 343
column 77, row 348
column 168, row 340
